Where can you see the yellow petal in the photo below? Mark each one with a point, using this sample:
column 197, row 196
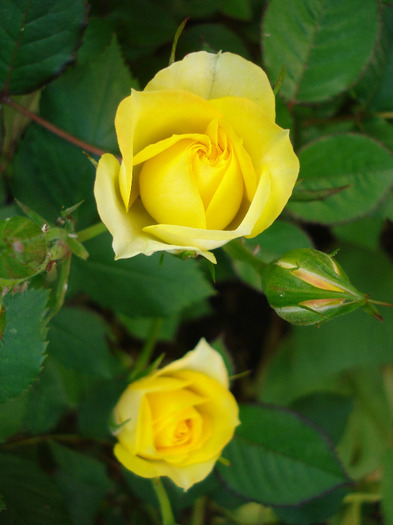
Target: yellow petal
column 145, row 118
column 184, row 477
column 203, row 359
column 168, row 190
column 218, row 75
column 127, row 229
column 270, row 150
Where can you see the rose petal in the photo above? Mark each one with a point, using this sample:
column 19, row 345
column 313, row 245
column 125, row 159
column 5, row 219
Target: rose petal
column 218, row 75
column 127, row 229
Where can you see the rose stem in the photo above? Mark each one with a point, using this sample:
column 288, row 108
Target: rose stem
column 91, row 232
column 54, row 129
column 148, row 347
column 165, row 504
column 237, row 250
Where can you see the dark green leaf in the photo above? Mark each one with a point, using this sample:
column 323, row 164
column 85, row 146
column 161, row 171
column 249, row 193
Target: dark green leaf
column 11, row 416
column 324, row 45
column 23, row 248
column 83, row 480
column 38, row 40
column 278, row 458
column 78, row 341
column 387, row 487
column 374, row 90
column 211, row 37
column 89, row 112
column 23, row 345
column 328, row 410
column 30, row 495
column 50, row 173
column 139, row 286
column 47, row 400
column 316, row 511
column 343, row 160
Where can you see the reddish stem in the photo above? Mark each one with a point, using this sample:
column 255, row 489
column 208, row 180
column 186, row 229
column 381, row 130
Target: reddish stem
column 54, row 129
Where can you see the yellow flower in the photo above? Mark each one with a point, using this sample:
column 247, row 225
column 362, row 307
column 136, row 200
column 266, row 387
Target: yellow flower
column 175, row 421
column 203, row 160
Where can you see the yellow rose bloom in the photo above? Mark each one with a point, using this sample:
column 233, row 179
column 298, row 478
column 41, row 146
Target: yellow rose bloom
column 203, row 161
column 176, row 421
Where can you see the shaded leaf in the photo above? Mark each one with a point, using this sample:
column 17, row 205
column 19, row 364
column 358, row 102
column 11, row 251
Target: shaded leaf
column 139, row 286
column 278, row 458
column 23, row 345
column 30, row 496
column 38, row 40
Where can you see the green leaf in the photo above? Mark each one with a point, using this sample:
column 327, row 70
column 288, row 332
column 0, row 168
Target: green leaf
column 278, row 458
column 47, row 400
column 139, row 286
column 328, row 410
column 84, row 482
column 387, row 486
column 38, row 40
column 316, row 511
column 89, row 111
column 23, row 248
column 78, row 341
column 324, row 45
column 49, row 173
column 23, row 345
column 374, row 91
column 335, row 161
column 11, row 416
column 30, row 495
column 211, row 37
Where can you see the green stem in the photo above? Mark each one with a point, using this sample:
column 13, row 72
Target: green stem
column 148, row 348
column 165, row 504
column 362, row 497
column 91, row 232
column 237, row 250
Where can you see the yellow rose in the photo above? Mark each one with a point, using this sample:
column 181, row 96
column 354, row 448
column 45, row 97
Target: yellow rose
column 203, row 160
column 175, row 421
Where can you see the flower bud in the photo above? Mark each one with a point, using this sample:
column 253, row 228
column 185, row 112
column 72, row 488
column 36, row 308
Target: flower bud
column 308, row 287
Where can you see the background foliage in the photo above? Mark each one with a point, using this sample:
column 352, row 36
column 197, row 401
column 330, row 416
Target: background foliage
column 315, row 444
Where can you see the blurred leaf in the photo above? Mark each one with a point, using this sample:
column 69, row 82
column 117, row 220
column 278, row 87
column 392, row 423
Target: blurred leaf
column 38, row 40
column 30, row 495
column 50, row 173
column 240, row 9
column 364, row 232
column 97, row 37
column 387, row 486
column 374, row 90
column 328, row 410
column 139, row 286
column 22, row 347
column 323, row 45
column 84, row 482
column 95, row 412
column 47, row 400
column 278, row 458
column 317, row 511
column 89, row 112
column 140, row 327
column 78, row 341
column 23, row 248
column 368, row 432
column 11, row 416
column 341, row 160
column 211, row 37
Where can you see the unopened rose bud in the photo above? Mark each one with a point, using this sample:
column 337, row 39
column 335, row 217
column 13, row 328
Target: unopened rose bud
column 308, row 287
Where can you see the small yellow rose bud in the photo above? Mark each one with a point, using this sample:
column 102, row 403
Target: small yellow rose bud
column 176, row 421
